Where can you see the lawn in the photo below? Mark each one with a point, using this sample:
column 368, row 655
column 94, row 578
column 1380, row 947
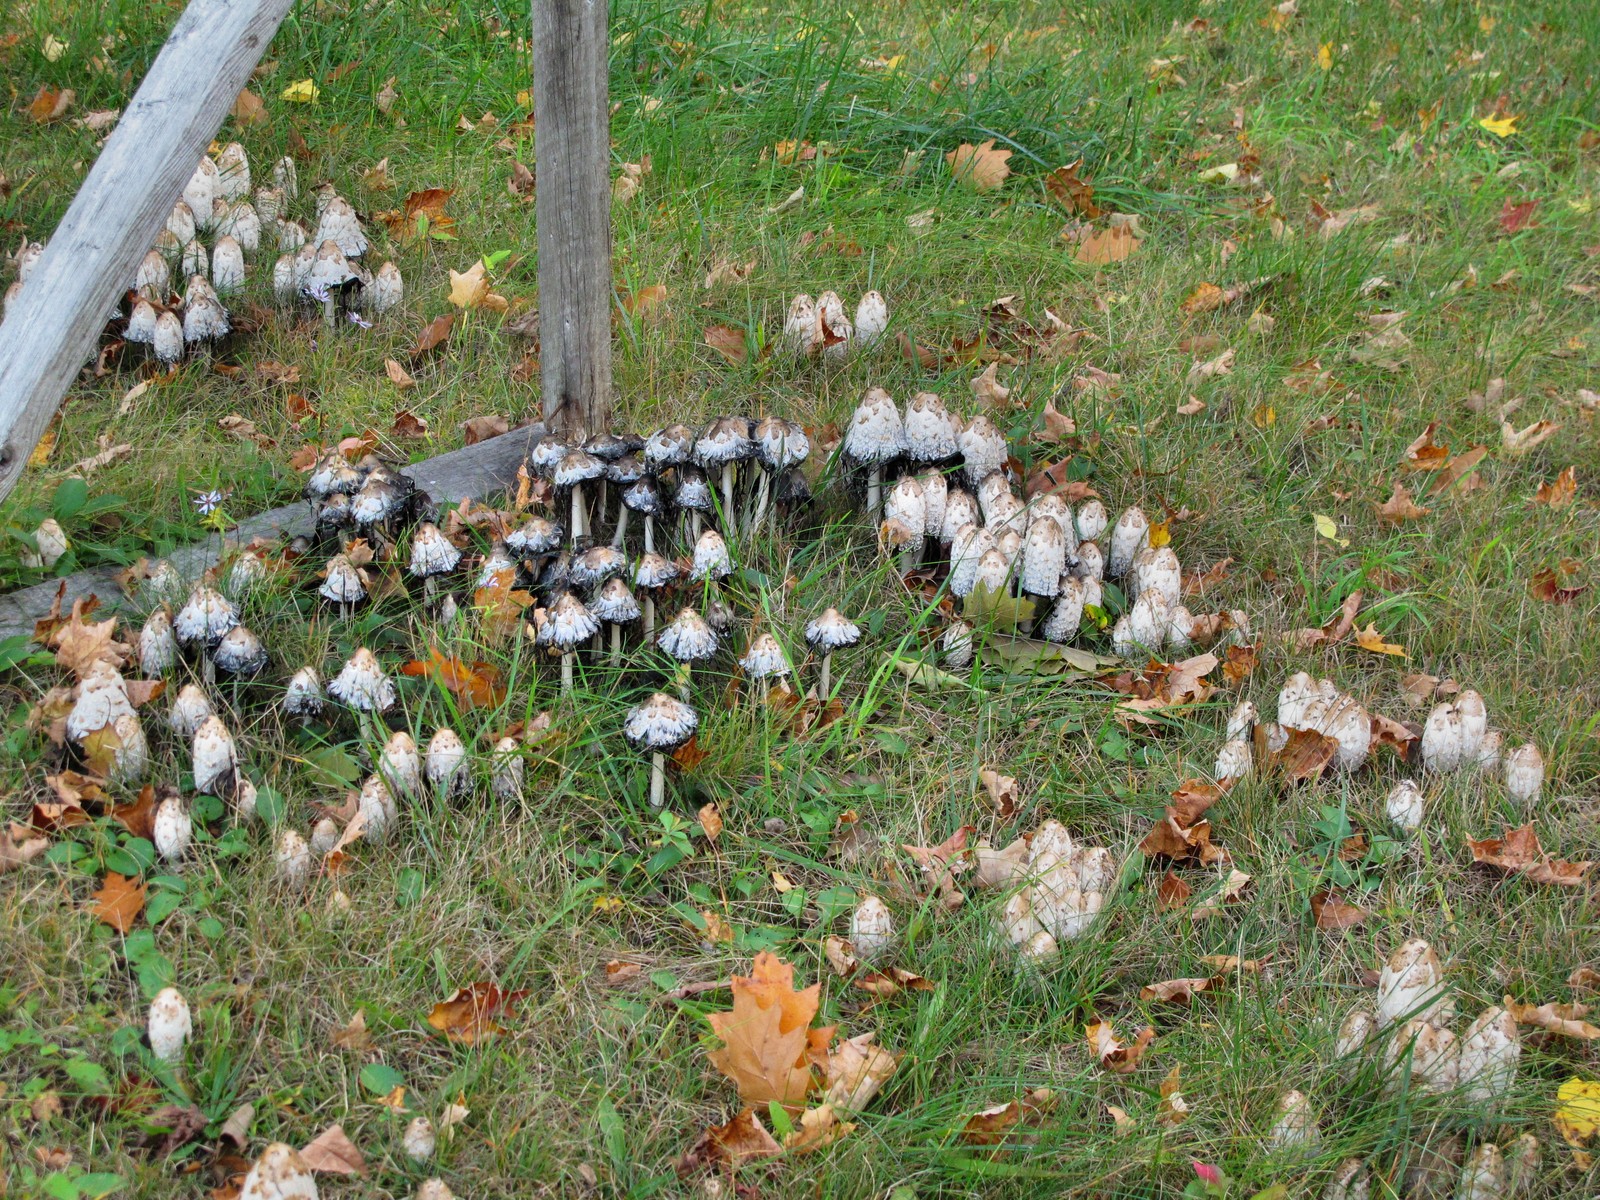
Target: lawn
column 1357, row 243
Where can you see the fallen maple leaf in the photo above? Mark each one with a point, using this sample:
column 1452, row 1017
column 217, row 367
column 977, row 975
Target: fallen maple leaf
column 1546, row 583
column 332, row 1153
column 1399, row 507
column 767, row 1036
column 710, row 821
column 353, row 1036
column 139, row 818
column 728, row 342
column 470, row 288
column 468, row 1017
column 1515, row 217
column 481, row 429
column 397, row 374
column 119, row 901
column 1566, row 1020
column 740, row 1140
column 648, row 303
column 1113, row 1055
column 434, row 334
column 1370, row 639
column 1518, row 852
column 19, row 846
column 475, row 685
column 79, row 645
column 1330, row 911
column 1074, row 194
column 1456, row 469
column 987, row 390
column 991, row 1126
column 1520, row 441
column 1423, row 454
column 50, row 104
column 981, row 167
column 1100, row 247
column 1003, row 790
column 1561, row 493
column 1177, row 991
column 943, row 862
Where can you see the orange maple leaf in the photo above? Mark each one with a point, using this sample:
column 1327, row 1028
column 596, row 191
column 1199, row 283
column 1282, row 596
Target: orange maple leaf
column 769, row 1045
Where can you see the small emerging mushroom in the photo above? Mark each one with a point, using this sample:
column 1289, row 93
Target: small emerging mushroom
column 764, row 660
column 445, row 763
column 233, row 172
column 1489, row 1053
column 388, row 289
column 202, row 621
column 660, row 725
column 279, row 1174
column 1442, row 739
column 800, row 324
column 1294, row 1127
column 872, row 932
column 172, row 830
column 1234, row 761
column 303, row 697
column 1411, row 985
column 343, row 584
column 292, row 860
column 190, row 708
column 239, row 653
column 834, row 331
column 872, row 319
column 401, row 765
column 1129, row 536
column 376, row 809
column 507, row 769
column 419, row 1140
column 158, row 648
column 1524, row 769
column 227, row 265
column 1404, row 807
column 983, row 449
column 692, row 495
column 169, row 1024
column 906, row 505
column 829, row 631
column 711, row 558
column 362, row 685
column 216, row 761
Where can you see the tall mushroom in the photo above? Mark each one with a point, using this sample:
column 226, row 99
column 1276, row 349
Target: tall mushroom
column 711, row 558
column 344, row 584
column 983, row 449
column 362, row 685
column 303, row 697
column 432, row 555
column 659, row 726
column 875, row 438
column 764, row 660
column 239, row 653
column 651, row 575
column 616, row 606
column 830, row 631
column 692, row 495
column 688, row 639
column 568, row 625
column 201, row 622
column 644, row 497
column 1129, row 535
column 576, row 468
column 721, row 447
column 931, row 432
column 779, row 445
column 907, row 507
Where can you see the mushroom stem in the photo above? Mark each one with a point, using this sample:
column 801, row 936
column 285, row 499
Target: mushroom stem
column 766, row 691
column 566, row 673
column 763, row 494
column 822, row 687
column 695, row 524
column 658, row 779
column 208, row 668
column 616, row 643
column 577, row 511
column 649, row 615
column 430, row 589
column 910, row 553
column 874, row 491
column 685, row 678
column 622, row 528
column 727, row 496
column 328, row 305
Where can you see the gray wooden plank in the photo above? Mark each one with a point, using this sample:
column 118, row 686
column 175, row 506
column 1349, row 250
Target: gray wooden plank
column 91, row 258
column 472, row 471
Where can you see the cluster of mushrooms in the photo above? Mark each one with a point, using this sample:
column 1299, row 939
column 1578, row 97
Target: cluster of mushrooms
column 820, row 327
column 1455, row 737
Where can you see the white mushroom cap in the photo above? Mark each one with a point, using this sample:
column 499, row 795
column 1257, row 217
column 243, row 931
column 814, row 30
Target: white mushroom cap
column 1485, row 1176
column 343, row 583
column 971, row 543
column 1158, row 569
column 446, row 756
column 280, row 1173
column 431, row 552
column 570, row 623
column 324, row 837
column 994, row 572
column 206, row 616
column 1091, row 520
column 1244, row 717
column 905, row 503
column 960, row 508
column 687, row 637
column 246, row 571
column 832, row 630
column 293, row 239
column 644, row 496
column 1442, row 739
column 242, row 223
column 536, row 535
column 872, row 319
column 994, row 490
column 983, row 448
column 669, row 446
column 215, row 759
column 204, row 320
column 361, row 684
column 1411, row 984
column 1293, row 699
column 576, row 467
column 1180, row 627
column 1474, row 724
column 158, row 648
column 1065, row 618
column 285, row 178
column 233, row 172
column 194, row 262
column 1355, row 1033
column 201, row 189
column 239, row 652
column 509, row 766
column 1524, row 769
column 780, row 443
column 765, row 658
column 615, row 603
column 1404, row 806
column 419, row 1139
column 876, row 433
column 400, row 764
column 935, row 496
column 190, row 708
column 1434, row 1051
column 1234, row 761
column 692, row 491
column 303, row 695
column 142, row 324
column 338, row 223
column 227, row 265
column 434, row 1189
column 598, row 564
column 329, row 268
column 292, row 860
column 1044, row 557
column 172, row 830
column 180, row 223
column 1489, row 748
column 711, row 557
column 167, row 342
column 872, row 932
column 169, row 1024
column 271, row 204
column 800, row 325
column 660, row 724
column 956, row 644
column 1294, row 1126
column 725, row 440
column 1489, row 1053
column 654, row 571
column 496, row 563
column 388, row 289
column 333, row 474
column 1128, row 536
column 834, row 331
column 152, row 281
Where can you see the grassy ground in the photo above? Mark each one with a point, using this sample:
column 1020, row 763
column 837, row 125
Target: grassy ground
column 599, row 1088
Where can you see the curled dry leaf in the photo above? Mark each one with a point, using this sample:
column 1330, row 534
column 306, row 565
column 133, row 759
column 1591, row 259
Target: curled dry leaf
column 1113, row 1055
column 742, row 1139
column 1520, row 441
column 1172, row 892
column 992, row 1126
column 1099, row 247
column 1561, row 493
column 818, row 1127
column 710, row 822
column 940, row 864
column 1423, row 454
column 988, row 390
column 1072, row 193
column 332, row 1153
column 468, row 1017
column 728, row 342
column 648, row 303
column 353, row 1036
column 1565, row 1020
column 1370, row 639
column 398, row 376
column 981, row 167
column 1457, row 469
column 1546, row 583
column 1004, row 791
column 481, row 429
column 890, row 982
column 1336, row 629
column 434, row 334
column 19, row 846
column 1174, row 1108
column 1399, row 507
column 1518, row 852
column 856, row 1071
column 1331, row 912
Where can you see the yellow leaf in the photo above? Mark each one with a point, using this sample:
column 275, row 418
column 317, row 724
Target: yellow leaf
column 471, row 288
column 303, row 92
column 981, row 167
column 41, row 452
column 1501, row 127
column 1577, row 1116
column 524, row 99
column 54, row 48
column 1160, row 535
column 1370, row 639
column 1325, row 56
column 1486, row 24
column 1264, row 416
column 1326, row 528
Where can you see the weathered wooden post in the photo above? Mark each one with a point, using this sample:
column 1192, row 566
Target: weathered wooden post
column 573, row 208
column 92, row 256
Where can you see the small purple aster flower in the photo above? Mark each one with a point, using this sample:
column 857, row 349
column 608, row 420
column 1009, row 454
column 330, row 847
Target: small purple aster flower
column 358, row 319
column 319, row 293
column 208, row 502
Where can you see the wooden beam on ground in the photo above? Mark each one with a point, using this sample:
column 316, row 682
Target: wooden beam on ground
column 572, row 145
column 91, row 258
column 471, row 472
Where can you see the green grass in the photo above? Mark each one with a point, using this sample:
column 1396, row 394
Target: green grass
column 611, row 1084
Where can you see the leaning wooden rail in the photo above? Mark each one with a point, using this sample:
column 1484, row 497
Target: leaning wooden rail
column 92, row 256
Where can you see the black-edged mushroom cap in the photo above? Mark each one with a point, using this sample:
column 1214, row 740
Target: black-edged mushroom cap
column 711, row 557
column 876, row 433
column 725, row 440
column 332, row 474
column 568, row 623
column 644, row 496
column 930, row 429
column 546, row 456
column 204, row 618
column 556, row 576
column 494, row 566
column 764, row 658
column 536, row 535
column 780, row 443
column 687, row 637
column 330, row 269
column 661, row 724
column 239, row 652
column 791, row 487
column 906, row 504
column 361, row 684
column 303, row 695
column 719, row 615
column 335, row 514
column 615, row 603
column 432, row 553
column 692, row 492
column 832, row 630
column 576, row 467
column 378, row 501
column 669, row 446
column 596, row 565
column 342, row 582
column 247, row 570
column 625, row 470
column 654, row 571
column 609, row 447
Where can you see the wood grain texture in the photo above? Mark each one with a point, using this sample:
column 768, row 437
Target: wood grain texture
column 573, row 212
column 473, row 471
column 91, row 258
